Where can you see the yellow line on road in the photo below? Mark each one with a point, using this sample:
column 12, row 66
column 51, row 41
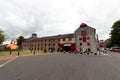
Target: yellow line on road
column 8, row 61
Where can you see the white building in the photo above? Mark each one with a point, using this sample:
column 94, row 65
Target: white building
column 85, row 39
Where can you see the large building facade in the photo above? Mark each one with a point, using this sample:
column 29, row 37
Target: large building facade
column 84, row 38
column 51, row 43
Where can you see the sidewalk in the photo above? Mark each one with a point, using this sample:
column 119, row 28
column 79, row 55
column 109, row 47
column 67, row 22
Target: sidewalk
column 7, row 57
column 12, row 56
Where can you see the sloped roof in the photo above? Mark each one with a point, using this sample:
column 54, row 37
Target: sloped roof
column 83, row 25
column 51, row 37
column 56, row 36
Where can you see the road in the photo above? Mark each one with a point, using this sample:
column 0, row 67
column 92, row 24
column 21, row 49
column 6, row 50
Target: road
column 62, row 67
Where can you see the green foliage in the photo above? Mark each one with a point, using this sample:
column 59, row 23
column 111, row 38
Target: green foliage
column 115, row 35
column 20, row 40
column 2, row 37
column 109, row 44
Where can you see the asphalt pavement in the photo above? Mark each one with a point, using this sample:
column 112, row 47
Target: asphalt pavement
column 60, row 66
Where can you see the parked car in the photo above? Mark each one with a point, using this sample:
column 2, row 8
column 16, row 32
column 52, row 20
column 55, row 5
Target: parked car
column 116, row 49
column 111, row 49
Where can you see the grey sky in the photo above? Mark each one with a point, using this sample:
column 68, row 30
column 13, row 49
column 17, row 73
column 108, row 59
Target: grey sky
column 52, row 17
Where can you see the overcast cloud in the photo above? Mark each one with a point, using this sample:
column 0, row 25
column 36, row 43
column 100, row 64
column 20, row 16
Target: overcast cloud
column 52, row 17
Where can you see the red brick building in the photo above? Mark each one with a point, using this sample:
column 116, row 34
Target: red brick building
column 84, row 38
column 51, row 43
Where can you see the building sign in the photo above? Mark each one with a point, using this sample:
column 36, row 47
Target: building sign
column 66, row 44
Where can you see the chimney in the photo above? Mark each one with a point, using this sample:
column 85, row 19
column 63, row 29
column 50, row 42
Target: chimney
column 34, row 35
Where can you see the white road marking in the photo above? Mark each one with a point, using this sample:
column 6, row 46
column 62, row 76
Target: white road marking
column 8, row 61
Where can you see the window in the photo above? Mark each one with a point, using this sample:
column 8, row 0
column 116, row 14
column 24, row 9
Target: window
column 45, row 40
column 53, row 44
column 59, row 40
column 88, row 44
column 83, row 33
column 45, row 44
column 88, row 38
column 70, row 39
column 80, row 44
column 63, row 39
column 53, row 40
column 41, row 44
column 84, row 39
column 38, row 49
column 80, row 39
column 89, row 49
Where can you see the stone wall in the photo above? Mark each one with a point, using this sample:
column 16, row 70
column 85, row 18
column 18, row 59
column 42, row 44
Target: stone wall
column 85, row 39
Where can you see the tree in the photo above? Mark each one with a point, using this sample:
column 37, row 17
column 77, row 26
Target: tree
column 115, row 35
column 2, row 36
column 20, row 40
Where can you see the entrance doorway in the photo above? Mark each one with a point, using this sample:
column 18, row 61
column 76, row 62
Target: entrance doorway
column 67, row 48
